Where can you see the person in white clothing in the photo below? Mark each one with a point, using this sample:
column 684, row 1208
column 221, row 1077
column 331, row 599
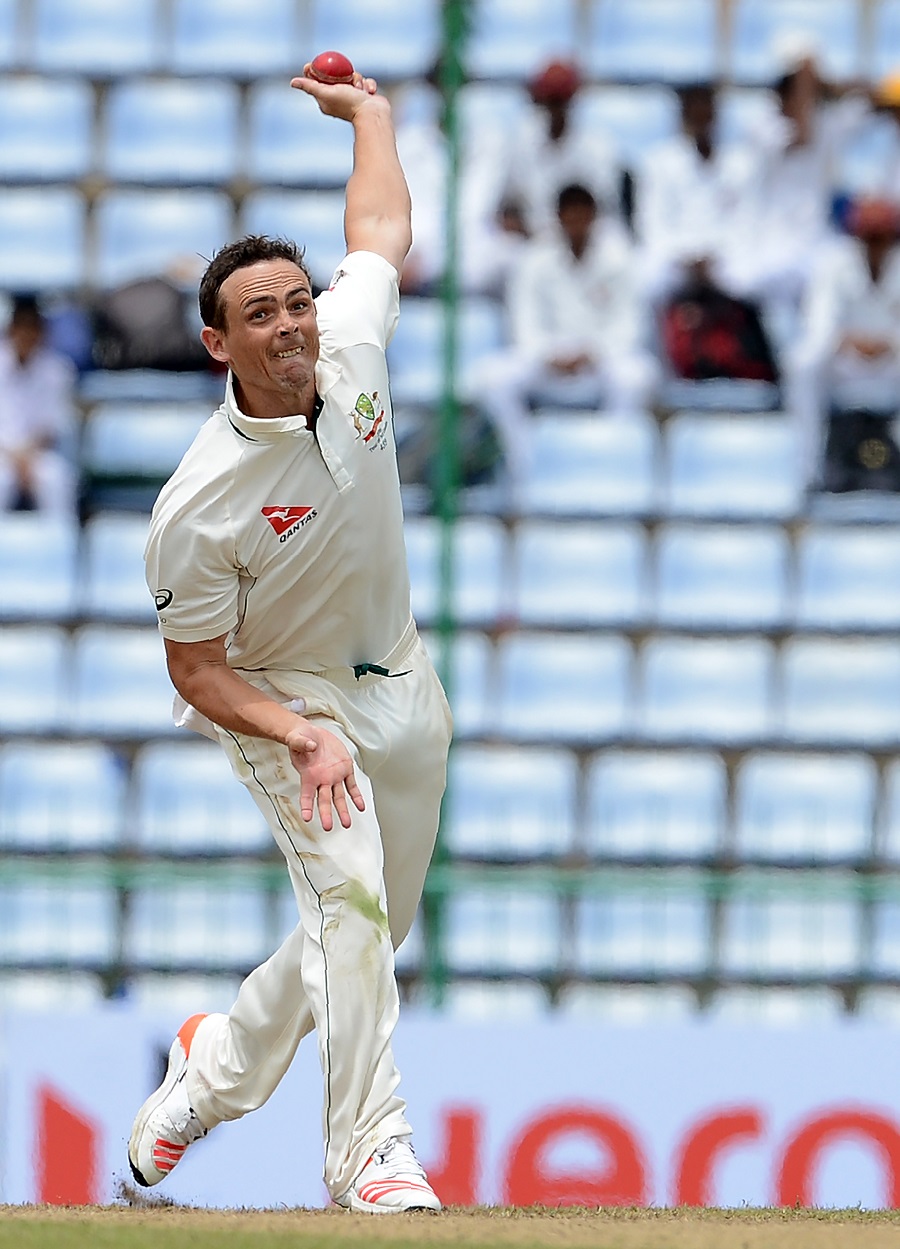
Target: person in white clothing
column 577, row 324
column 276, row 557
column 848, row 356
column 37, row 416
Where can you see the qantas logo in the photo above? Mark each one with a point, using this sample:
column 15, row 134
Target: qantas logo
column 287, row 520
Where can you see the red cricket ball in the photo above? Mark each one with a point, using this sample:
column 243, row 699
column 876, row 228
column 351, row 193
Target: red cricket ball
column 331, row 67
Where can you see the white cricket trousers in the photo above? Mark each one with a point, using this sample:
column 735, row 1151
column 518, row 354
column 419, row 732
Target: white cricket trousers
column 357, row 891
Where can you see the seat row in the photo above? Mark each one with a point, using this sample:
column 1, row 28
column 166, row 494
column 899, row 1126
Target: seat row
column 504, row 804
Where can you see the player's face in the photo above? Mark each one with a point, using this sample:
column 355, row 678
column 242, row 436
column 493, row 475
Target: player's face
column 271, row 338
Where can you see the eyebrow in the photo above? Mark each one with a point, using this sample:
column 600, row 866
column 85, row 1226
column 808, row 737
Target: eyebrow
column 267, row 299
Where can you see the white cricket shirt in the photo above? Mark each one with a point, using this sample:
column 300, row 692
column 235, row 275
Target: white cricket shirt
column 289, row 541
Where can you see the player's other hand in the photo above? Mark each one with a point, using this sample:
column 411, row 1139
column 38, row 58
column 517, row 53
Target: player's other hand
column 341, row 99
column 326, row 773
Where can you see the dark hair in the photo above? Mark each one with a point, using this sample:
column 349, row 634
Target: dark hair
column 26, row 310
column 575, row 195
column 249, row 250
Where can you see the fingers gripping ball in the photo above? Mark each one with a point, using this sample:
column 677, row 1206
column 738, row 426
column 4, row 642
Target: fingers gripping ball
column 331, row 67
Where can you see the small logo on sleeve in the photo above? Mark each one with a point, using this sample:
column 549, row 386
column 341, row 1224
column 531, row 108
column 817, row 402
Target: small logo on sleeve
column 369, row 421
column 162, row 599
column 287, row 520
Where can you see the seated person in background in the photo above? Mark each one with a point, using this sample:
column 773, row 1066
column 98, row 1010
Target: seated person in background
column 576, row 323
column 848, row 357
column 36, row 416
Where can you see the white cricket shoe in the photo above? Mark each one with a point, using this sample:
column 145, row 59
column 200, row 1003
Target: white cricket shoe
column 166, row 1123
column 392, row 1181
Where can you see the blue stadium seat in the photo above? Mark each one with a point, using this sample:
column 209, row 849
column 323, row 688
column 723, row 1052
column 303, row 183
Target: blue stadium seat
column 591, row 463
column 95, row 36
column 147, row 233
column 34, row 668
column 57, row 796
column 558, row 687
column 706, row 690
column 181, row 924
column 45, row 128
column 514, row 38
column 655, row 805
column 112, row 580
column 41, row 238
column 9, row 41
column 866, row 155
column 766, row 932
column 626, row 1003
column 502, row 1001
column 653, row 39
column 819, row 808
column 171, row 130
column 293, row 143
column 841, row 690
column 37, row 566
column 742, row 1005
column 140, row 438
column 636, row 118
column 231, row 37
column 187, row 801
column 393, row 39
column 731, row 466
column 759, row 25
column 50, row 991
column 885, row 39
column 510, row 930
column 643, row 929
column 579, row 573
column 885, row 956
column 849, row 577
column 181, row 995
column 314, row 219
column 508, row 803
column 59, row 922
column 470, row 680
column 889, row 822
column 478, row 570
column 720, row 576
column 415, row 352
column 120, row 683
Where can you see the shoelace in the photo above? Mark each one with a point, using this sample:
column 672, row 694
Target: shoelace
column 398, row 1158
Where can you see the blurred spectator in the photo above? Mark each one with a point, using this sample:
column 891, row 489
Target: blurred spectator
column 577, row 325
column 848, row 360
column 36, row 416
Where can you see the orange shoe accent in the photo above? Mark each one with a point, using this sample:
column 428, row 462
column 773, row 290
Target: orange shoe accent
column 187, row 1030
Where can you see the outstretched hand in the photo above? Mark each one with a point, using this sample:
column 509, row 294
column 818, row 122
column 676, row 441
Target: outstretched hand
column 326, row 773
column 340, row 99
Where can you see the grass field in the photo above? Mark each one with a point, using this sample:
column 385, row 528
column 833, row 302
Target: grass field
column 162, row 1227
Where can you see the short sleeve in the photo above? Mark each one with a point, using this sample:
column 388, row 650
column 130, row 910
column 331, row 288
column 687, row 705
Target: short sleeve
column 193, row 578
column 361, row 305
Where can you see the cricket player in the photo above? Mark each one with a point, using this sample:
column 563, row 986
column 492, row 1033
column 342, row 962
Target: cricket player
column 277, row 562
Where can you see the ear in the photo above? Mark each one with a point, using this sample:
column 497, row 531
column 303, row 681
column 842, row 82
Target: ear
column 214, row 342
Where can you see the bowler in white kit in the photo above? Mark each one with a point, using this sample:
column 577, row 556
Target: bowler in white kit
column 277, row 562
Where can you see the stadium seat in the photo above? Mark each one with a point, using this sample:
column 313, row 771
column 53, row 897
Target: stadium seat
column 149, row 233
column 720, row 576
column 731, row 466
column 415, row 353
column 231, row 37
column 653, row 40
column 393, row 39
column 885, row 41
column 562, row 688
column 642, row 928
column 187, row 801
column 478, row 575
column 741, row 111
column 37, row 566
column 60, row 922
column 579, row 573
column 489, row 112
column 879, row 1004
column 636, row 118
column 849, row 577
column 9, row 41
column 591, row 463
column 759, row 26
column 41, row 238
column 626, row 1003
column 57, row 796
column 34, row 670
column 502, row 1002
column 742, row 1005
column 514, row 38
column 314, row 219
column 470, row 680
column 789, row 925
column 292, row 144
column 889, row 824
column 508, row 803
column 841, row 690
column 219, row 924
column 140, row 439
column 120, row 684
column 885, row 956
column 45, row 128
column 95, row 36
column 49, row 991
column 502, row 930
column 181, row 995
column 864, row 156
column 643, row 804
column 705, row 690
column 171, row 130
column 112, row 580
column 817, row 808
